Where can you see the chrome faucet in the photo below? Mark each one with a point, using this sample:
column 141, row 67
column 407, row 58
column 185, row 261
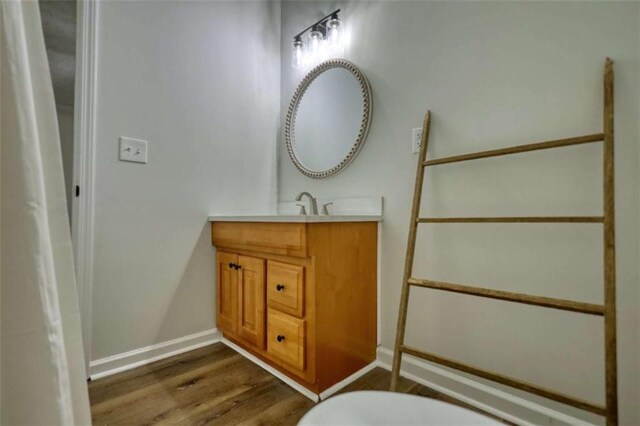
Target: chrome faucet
column 313, row 204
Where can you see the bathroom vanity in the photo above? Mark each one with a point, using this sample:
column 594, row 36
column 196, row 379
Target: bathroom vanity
column 299, row 292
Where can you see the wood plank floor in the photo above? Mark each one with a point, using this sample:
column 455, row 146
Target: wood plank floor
column 213, row 385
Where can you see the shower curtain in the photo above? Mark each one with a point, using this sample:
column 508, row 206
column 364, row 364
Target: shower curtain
column 41, row 360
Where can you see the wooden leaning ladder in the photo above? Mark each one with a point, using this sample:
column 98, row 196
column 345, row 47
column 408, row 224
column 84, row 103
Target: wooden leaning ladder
column 607, row 310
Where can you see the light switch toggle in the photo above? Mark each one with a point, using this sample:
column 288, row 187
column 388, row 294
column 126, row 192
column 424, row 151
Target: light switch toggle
column 134, row 150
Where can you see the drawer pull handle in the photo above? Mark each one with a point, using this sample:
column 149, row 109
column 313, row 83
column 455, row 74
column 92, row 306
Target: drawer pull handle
column 279, row 287
column 280, row 338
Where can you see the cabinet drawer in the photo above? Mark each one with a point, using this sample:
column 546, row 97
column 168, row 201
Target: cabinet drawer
column 285, row 287
column 286, row 338
column 288, row 239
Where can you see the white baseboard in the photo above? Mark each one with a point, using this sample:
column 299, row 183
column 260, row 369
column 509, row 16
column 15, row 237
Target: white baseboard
column 480, row 395
column 126, row 361
column 295, row 385
column 352, row 378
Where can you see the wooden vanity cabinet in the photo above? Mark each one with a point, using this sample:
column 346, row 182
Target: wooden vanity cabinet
column 299, row 296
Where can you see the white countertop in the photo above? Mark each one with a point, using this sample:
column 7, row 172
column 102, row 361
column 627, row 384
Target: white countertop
column 296, row 218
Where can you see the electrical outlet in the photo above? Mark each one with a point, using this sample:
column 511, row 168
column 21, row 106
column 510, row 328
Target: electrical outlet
column 134, row 150
column 416, row 139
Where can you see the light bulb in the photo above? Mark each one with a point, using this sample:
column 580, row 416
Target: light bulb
column 297, row 56
column 335, row 36
column 316, row 46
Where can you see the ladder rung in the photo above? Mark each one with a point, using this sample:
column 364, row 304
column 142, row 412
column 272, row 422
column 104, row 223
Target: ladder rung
column 547, row 302
column 508, row 381
column 598, row 137
column 523, row 219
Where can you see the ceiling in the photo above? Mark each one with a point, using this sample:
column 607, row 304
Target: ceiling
column 59, row 27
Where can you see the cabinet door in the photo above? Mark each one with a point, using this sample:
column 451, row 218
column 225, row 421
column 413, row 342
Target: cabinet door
column 227, row 308
column 251, row 300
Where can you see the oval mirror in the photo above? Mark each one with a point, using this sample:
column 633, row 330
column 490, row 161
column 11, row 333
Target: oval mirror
column 328, row 118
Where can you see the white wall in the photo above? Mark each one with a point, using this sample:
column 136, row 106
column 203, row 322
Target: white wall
column 199, row 81
column 496, row 74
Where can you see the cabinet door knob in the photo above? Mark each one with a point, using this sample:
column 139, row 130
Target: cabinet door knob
column 238, row 267
column 280, row 287
column 231, row 264
column 280, row 338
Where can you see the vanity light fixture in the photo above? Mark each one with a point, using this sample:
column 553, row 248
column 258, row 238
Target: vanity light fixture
column 325, row 40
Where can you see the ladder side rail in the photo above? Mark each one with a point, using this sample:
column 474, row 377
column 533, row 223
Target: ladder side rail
column 611, row 381
column 411, row 246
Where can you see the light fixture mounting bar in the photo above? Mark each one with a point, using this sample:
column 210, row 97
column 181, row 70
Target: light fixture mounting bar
column 318, row 22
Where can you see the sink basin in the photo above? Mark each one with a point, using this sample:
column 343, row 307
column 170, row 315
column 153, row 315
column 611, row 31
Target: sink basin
column 296, row 218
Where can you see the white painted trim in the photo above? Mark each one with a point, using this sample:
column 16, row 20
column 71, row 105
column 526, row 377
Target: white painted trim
column 84, row 163
column 295, row 385
column 352, row 378
column 126, row 361
column 425, row 369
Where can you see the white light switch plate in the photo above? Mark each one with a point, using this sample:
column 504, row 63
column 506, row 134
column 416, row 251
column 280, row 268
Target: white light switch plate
column 416, row 139
column 134, row 150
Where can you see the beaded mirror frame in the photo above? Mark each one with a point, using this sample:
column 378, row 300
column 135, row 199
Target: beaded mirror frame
column 293, row 109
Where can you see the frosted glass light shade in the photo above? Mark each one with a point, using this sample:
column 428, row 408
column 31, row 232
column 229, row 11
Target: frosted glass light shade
column 297, row 56
column 316, row 47
column 335, row 37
